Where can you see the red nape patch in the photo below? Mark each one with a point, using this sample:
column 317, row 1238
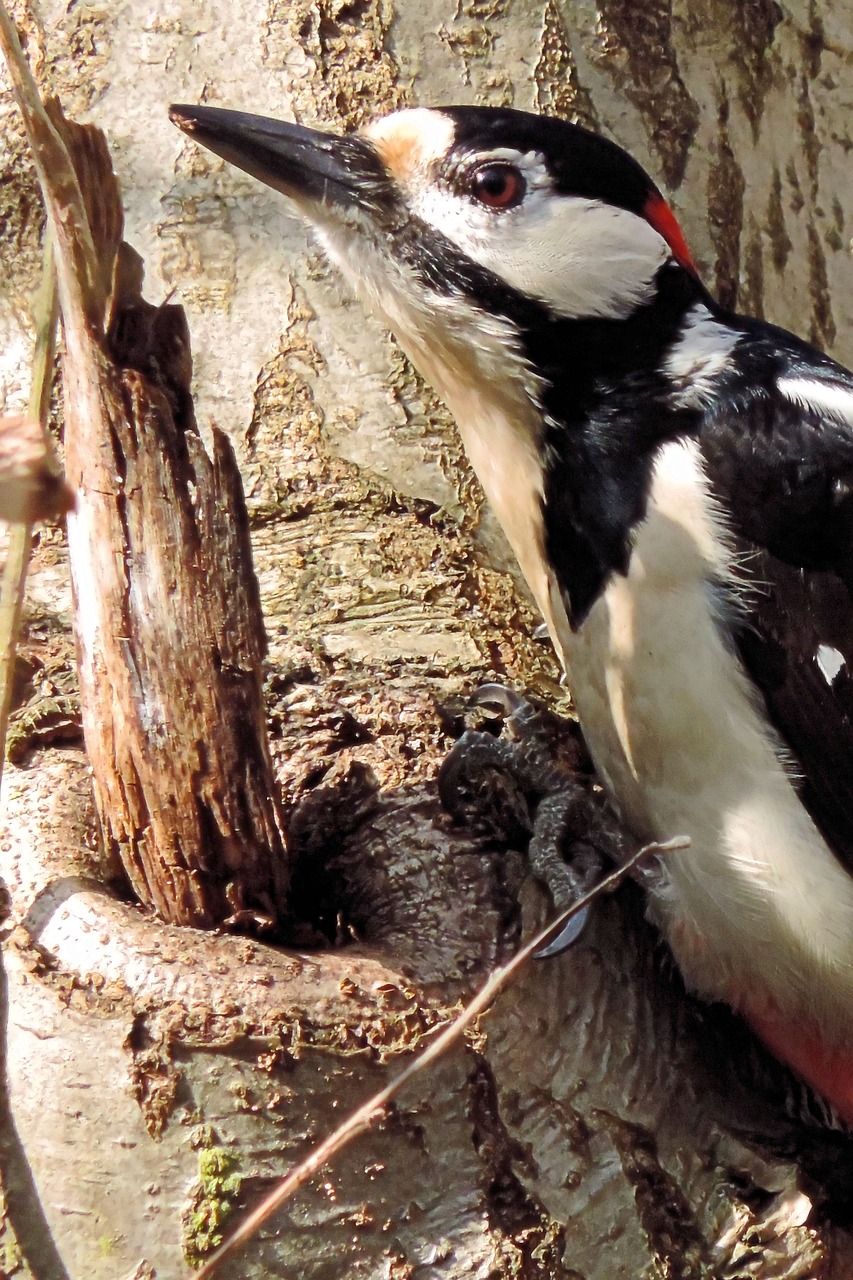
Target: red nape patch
column 828, row 1071
column 657, row 212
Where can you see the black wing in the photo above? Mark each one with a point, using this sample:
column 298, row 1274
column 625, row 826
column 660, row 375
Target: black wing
column 782, row 464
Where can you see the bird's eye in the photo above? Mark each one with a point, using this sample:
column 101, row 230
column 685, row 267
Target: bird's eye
column 498, row 186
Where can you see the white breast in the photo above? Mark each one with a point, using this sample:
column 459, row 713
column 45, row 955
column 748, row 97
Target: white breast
column 758, row 912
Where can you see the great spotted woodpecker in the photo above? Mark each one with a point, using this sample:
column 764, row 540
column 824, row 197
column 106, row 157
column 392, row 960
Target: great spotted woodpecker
column 677, row 484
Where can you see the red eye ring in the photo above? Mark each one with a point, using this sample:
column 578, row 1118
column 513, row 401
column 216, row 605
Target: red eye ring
column 498, row 186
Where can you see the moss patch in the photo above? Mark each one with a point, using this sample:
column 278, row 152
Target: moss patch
column 213, row 1199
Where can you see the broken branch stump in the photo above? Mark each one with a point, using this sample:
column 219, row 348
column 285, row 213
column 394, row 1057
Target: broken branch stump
column 168, row 622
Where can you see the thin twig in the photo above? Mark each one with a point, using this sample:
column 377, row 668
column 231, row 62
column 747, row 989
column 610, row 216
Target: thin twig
column 76, row 262
column 21, row 535
column 372, row 1110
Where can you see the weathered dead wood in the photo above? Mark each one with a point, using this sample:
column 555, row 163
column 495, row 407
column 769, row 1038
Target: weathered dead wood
column 169, row 628
column 168, row 622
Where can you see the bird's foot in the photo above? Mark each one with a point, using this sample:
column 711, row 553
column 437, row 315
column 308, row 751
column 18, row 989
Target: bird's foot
column 531, row 785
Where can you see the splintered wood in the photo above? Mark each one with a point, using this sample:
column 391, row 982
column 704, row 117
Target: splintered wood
column 168, row 622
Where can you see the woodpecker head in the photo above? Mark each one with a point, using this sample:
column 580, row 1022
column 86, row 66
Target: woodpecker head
column 492, row 207
column 525, row 265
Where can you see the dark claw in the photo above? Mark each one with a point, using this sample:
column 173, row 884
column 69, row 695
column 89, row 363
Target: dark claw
column 522, row 719
column 476, row 785
column 451, row 775
column 506, row 700
column 558, row 817
column 565, row 938
column 530, row 786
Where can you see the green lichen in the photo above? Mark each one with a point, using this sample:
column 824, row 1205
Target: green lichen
column 107, row 1245
column 212, row 1201
column 11, row 1262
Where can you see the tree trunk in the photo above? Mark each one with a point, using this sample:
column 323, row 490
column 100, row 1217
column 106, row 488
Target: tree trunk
column 596, row 1127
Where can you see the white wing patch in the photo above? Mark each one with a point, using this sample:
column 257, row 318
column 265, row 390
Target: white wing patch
column 829, row 661
column 829, row 399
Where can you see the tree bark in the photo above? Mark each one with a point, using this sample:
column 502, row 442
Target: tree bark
column 597, row 1126
column 168, row 624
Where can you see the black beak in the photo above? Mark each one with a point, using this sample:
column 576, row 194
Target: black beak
column 305, row 164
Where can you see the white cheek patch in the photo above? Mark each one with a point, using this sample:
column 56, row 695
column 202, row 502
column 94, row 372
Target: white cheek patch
column 580, row 257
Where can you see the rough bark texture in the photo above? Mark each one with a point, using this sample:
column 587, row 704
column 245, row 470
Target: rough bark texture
column 602, row 1125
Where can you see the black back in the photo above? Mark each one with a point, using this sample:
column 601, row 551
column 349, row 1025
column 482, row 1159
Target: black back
column 784, row 472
